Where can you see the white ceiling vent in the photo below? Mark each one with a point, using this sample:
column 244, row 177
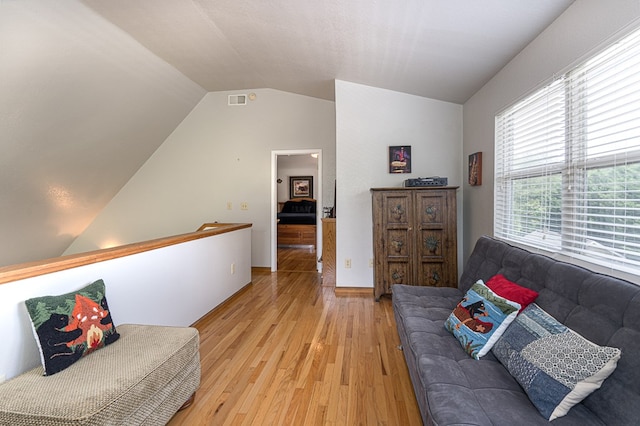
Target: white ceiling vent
column 237, row 100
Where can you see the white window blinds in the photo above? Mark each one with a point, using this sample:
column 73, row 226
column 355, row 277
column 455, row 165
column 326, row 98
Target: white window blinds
column 568, row 162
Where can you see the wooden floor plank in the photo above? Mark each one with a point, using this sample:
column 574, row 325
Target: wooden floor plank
column 287, row 351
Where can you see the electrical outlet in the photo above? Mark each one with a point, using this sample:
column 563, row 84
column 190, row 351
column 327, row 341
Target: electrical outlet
column 244, row 206
column 229, row 205
column 233, row 268
column 347, row 263
column 370, row 263
column 2, row 378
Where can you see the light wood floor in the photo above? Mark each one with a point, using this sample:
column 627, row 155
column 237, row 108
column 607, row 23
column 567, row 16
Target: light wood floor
column 297, row 259
column 287, row 351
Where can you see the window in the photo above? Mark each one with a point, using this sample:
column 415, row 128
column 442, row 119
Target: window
column 568, row 162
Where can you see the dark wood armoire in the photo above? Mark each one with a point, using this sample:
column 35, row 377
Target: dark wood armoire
column 414, row 237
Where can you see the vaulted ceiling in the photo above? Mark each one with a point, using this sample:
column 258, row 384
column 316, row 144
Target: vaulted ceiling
column 89, row 89
column 439, row 49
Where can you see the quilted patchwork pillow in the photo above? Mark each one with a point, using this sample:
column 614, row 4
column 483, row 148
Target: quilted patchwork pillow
column 70, row 326
column 480, row 319
column 556, row 366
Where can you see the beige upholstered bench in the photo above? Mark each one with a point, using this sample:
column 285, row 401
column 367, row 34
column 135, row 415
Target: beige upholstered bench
column 143, row 378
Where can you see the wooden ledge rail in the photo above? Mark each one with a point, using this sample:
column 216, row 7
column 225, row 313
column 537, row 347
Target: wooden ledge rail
column 21, row 271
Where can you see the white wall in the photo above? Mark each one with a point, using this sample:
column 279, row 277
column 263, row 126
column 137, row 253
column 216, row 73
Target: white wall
column 218, row 154
column 585, row 27
column 368, row 121
column 296, row 165
column 174, row 285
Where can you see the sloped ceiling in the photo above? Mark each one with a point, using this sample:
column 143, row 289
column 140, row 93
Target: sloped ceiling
column 441, row 49
column 90, row 88
column 82, row 107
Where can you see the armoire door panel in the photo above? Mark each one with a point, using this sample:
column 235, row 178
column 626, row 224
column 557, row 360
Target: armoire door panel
column 431, row 244
column 397, row 210
column 432, row 274
column 431, row 209
column 398, row 244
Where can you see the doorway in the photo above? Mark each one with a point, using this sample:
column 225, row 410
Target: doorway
column 280, row 192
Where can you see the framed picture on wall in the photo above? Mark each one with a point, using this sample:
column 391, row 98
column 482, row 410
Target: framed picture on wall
column 301, row 186
column 400, row 159
column 475, row 169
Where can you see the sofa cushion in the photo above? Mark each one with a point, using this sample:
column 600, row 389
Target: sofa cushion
column 480, row 319
column 556, row 367
column 70, row 326
column 601, row 308
column 142, row 379
column 512, row 291
column 452, row 388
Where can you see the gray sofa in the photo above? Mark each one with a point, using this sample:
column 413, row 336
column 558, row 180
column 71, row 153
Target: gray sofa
column 454, row 389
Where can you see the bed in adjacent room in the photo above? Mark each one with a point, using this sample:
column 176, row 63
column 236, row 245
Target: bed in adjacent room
column 297, row 222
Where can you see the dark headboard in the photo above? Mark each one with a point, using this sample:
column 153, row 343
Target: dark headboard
column 299, row 205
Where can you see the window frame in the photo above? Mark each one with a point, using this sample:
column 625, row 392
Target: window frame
column 574, row 168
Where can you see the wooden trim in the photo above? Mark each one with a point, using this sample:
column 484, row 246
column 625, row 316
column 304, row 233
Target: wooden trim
column 354, row 292
column 224, row 226
column 329, row 252
column 412, row 188
column 41, row 267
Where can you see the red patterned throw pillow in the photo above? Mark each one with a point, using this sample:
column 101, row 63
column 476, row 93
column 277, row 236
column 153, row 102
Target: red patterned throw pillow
column 70, row 326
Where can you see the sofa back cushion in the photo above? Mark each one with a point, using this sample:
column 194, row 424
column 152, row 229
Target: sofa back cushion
column 302, row 206
column 603, row 309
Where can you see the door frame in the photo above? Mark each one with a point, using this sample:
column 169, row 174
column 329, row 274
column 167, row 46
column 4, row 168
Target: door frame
column 274, row 202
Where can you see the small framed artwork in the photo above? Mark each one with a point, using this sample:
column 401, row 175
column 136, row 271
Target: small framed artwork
column 301, row 187
column 475, row 169
column 400, row 159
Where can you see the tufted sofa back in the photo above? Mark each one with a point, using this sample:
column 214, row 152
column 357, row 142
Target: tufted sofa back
column 302, row 206
column 601, row 308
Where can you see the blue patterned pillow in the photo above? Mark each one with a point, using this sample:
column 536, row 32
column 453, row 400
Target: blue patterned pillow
column 556, row 366
column 480, row 319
